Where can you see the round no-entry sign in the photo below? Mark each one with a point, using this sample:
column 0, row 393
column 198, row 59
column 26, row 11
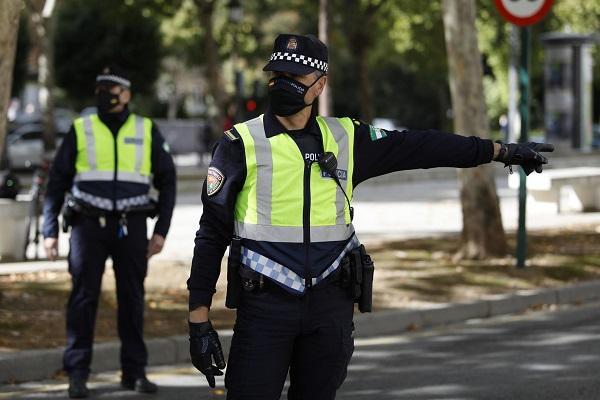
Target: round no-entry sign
column 523, row 12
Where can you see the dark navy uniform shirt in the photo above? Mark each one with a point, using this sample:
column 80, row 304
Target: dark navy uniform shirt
column 63, row 172
column 376, row 152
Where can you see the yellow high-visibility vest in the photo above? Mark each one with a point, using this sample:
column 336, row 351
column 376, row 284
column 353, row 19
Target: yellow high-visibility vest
column 103, row 158
column 96, row 150
column 270, row 206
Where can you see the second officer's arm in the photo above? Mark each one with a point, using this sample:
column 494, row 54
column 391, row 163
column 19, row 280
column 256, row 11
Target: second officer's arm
column 164, row 180
column 60, row 181
column 216, row 225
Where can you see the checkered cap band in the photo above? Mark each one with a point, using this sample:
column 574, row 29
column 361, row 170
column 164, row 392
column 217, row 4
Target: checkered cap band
column 300, row 59
column 272, row 269
column 114, row 79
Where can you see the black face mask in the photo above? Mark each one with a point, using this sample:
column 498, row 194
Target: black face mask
column 286, row 96
column 106, row 101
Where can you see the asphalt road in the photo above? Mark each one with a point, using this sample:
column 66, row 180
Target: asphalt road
column 540, row 355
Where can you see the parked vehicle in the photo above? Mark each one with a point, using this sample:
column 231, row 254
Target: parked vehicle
column 25, row 146
column 596, row 136
column 24, row 143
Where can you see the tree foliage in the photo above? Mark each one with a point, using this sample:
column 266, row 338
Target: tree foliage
column 94, row 33
column 399, row 43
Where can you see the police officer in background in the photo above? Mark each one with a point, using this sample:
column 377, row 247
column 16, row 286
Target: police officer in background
column 274, row 188
column 107, row 162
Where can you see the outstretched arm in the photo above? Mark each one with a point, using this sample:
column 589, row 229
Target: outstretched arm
column 379, row 151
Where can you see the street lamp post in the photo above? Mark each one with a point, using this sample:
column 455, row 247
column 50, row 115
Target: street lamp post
column 235, row 17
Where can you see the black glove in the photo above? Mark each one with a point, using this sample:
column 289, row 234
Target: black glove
column 204, row 347
column 527, row 155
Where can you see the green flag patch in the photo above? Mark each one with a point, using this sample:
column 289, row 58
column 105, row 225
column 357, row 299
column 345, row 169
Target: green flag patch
column 376, row 133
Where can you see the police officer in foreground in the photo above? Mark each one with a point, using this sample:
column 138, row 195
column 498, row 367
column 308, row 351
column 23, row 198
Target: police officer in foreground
column 278, row 192
column 107, row 162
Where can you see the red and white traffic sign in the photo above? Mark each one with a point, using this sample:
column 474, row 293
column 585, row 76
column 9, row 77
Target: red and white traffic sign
column 523, row 12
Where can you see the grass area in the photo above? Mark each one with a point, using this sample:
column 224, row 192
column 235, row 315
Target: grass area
column 416, row 273
column 409, row 274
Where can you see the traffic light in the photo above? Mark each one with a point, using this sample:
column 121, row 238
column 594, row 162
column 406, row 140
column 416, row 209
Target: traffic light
column 251, row 105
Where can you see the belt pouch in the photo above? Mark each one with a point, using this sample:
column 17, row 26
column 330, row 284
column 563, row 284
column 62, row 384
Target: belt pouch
column 234, row 282
column 365, row 302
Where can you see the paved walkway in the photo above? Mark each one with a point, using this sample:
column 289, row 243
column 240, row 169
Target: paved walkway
column 383, row 209
column 539, row 355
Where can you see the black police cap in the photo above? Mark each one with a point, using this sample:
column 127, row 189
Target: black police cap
column 113, row 75
column 298, row 54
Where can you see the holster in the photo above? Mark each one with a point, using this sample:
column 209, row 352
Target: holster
column 70, row 209
column 234, row 281
column 357, row 276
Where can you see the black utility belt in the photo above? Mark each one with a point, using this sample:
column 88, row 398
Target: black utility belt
column 355, row 275
column 74, row 206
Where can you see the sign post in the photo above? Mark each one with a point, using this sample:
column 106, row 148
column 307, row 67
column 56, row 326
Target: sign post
column 523, row 13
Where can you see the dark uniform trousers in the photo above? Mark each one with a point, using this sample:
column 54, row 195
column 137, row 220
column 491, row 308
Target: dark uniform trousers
column 312, row 336
column 90, row 245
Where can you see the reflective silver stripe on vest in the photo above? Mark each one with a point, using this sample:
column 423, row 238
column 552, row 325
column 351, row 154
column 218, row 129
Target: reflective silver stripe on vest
column 90, row 142
column 273, row 270
column 341, row 138
column 292, row 234
column 139, row 150
column 133, row 177
column 95, row 176
column 109, row 176
column 264, row 170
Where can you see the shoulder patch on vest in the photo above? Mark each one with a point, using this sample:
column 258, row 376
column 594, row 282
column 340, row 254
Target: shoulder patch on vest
column 214, row 181
column 231, row 135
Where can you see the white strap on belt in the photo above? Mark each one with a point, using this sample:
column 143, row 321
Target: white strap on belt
column 277, row 272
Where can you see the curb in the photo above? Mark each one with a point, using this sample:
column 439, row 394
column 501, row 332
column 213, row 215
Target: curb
column 395, row 321
column 31, row 365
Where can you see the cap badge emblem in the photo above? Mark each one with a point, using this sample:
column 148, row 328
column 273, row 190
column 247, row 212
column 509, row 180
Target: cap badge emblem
column 292, row 44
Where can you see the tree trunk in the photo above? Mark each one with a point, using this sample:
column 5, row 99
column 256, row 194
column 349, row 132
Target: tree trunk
column 42, row 65
column 213, row 64
column 359, row 16
column 325, row 100
column 365, row 88
column 9, row 26
column 482, row 234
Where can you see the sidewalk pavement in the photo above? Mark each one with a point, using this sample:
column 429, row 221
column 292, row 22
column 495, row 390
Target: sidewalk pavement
column 17, row 366
column 383, row 210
